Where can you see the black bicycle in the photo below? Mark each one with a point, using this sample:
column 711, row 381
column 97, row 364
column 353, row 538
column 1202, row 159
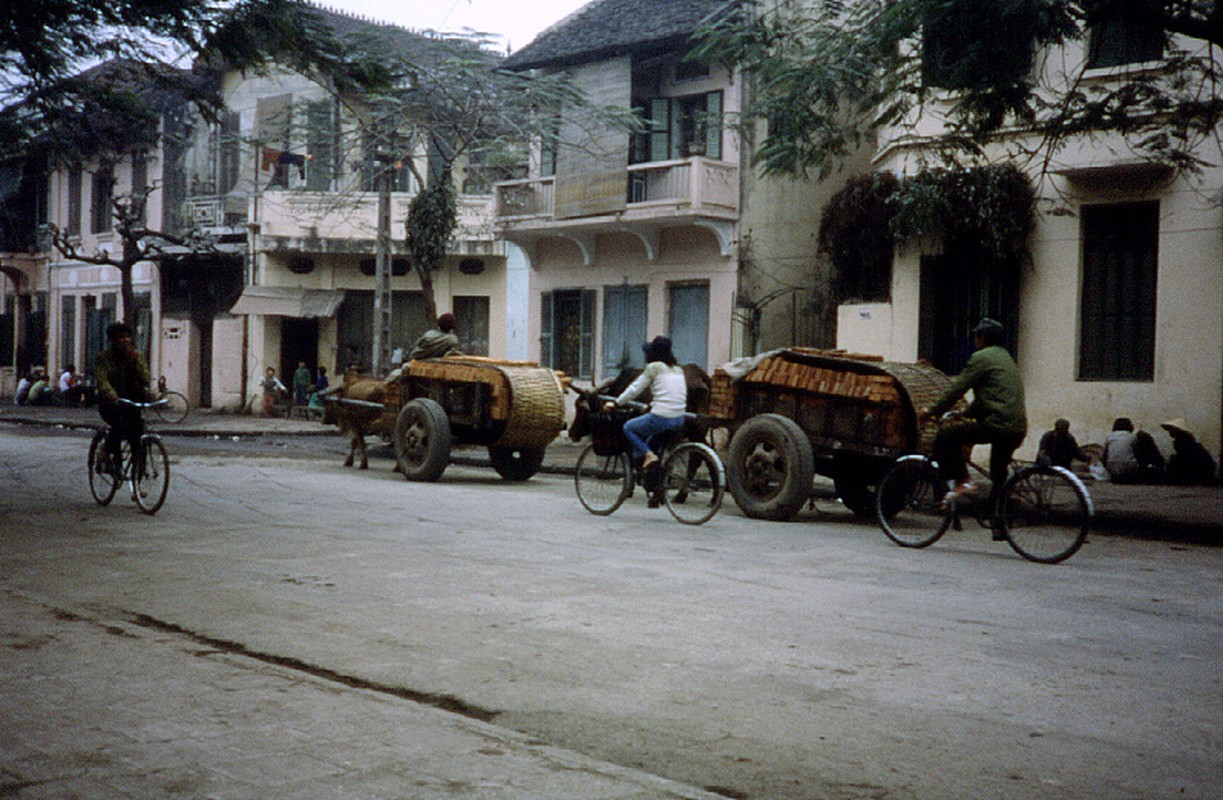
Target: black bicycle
column 176, row 408
column 1041, row 510
column 147, row 472
column 689, row 478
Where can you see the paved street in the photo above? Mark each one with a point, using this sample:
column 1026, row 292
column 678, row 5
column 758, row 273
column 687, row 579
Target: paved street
column 285, row 627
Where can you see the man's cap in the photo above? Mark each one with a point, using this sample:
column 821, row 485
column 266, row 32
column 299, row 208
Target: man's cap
column 988, row 327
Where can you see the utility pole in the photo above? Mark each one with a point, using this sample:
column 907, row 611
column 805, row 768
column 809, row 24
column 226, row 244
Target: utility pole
column 382, row 268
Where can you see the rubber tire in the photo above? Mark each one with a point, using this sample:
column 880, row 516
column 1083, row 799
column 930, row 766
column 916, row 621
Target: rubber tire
column 422, row 440
column 1071, row 514
column 516, row 463
column 681, row 502
column 613, row 487
column 101, row 485
column 176, row 410
column 158, row 461
column 909, row 503
column 770, row 467
column 856, row 480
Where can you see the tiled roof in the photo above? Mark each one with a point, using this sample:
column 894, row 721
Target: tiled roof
column 605, row 28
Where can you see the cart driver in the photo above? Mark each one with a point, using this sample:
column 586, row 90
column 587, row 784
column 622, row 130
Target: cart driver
column 438, row 341
column 996, row 417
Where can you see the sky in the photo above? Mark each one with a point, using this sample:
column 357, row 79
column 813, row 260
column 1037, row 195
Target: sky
column 518, row 21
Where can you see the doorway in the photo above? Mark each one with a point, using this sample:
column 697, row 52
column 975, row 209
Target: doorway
column 298, row 342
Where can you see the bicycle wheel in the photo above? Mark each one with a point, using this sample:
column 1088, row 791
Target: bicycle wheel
column 602, row 482
column 693, row 483
column 103, row 482
column 151, row 477
column 909, row 503
column 175, row 409
column 1044, row 513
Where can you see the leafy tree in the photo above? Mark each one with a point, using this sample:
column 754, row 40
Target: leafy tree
column 827, row 76
column 450, row 100
column 46, row 46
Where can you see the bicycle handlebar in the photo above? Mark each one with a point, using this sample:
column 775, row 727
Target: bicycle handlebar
column 154, row 404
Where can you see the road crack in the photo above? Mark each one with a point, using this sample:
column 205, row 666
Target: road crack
column 445, row 702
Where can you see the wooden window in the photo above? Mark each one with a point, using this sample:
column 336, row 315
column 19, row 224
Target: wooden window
column 1126, row 33
column 1120, row 267
column 566, row 340
column 679, row 127
column 472, row 329
column 101, row 213
column 967, row 44
column 72, row 225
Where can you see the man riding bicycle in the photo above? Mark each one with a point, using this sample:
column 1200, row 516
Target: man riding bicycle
column 121, row 372
column 997, row 415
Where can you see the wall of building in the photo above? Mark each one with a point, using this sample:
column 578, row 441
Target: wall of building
column 686, row 255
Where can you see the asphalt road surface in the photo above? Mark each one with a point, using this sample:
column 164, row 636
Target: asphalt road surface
column 755, row 659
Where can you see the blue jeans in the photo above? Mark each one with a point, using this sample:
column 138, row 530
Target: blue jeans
column 640, row 430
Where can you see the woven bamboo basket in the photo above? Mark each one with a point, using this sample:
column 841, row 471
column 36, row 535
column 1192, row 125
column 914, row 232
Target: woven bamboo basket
column 527, row 397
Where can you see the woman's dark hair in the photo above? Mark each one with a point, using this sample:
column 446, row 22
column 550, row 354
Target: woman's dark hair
column 659, row 349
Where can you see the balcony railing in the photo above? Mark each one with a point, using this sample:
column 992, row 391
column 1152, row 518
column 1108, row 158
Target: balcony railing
column 354, row 216
column 694, row 185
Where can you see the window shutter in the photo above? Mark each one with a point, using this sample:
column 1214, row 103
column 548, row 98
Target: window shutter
column 545, row 329
column 713, row 125
column 587, row 357
column 660, row 129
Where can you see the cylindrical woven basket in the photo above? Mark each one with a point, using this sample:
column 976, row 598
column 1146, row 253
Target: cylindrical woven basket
column 537, row 407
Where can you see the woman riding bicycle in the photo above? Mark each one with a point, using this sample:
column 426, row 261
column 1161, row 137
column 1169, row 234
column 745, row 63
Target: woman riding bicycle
column 996, row 417
column 121, row 372
column 668, row 399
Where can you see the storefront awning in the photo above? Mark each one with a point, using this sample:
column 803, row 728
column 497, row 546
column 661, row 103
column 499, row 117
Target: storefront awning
column 284, row 301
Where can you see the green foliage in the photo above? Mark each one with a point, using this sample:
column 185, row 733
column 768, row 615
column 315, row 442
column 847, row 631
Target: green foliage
column 855, row 229
column 430, row 224
column 49, row 50
column 825, row 83
column 989, row 212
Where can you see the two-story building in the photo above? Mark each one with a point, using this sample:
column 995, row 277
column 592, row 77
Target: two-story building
column 278, row 199
column 1119, row 310
column 292, row 168
column 670, row 230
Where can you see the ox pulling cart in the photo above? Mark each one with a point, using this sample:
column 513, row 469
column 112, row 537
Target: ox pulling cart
column 799, row 412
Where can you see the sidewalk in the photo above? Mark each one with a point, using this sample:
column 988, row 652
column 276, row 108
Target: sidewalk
column 1192, row 514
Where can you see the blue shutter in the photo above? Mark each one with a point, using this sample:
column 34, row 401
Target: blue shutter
column 689, row 323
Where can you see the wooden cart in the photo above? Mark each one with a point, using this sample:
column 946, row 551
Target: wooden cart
column 514, row 408
column 801, row 412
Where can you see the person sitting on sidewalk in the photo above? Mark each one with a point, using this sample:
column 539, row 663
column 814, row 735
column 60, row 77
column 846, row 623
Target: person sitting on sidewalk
column 1132, row 456
column 1059, row 447
column 1191, row 464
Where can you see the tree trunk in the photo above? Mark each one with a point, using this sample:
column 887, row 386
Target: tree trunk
column 425, row 274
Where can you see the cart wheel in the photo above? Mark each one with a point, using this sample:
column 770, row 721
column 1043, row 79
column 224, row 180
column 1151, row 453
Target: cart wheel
column 422, row 440
column 516, row 463
column 771, row 467
column 855, row 480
